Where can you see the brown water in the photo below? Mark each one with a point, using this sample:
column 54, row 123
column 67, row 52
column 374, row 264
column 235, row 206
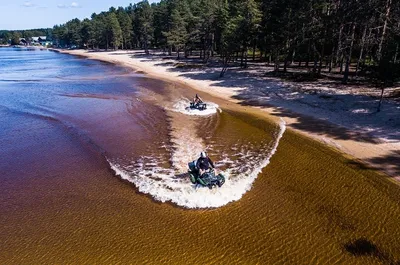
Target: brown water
column 61, row 203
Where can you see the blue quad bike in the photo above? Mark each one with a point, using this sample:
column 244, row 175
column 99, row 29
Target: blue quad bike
column 199, row 106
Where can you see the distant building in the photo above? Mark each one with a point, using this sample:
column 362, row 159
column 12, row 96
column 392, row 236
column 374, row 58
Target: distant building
column 41, row 40
column 23, row 41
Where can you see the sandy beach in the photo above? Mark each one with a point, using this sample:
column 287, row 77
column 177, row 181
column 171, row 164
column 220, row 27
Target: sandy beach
column 344, row 119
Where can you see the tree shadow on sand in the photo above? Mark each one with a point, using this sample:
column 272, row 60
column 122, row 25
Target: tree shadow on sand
column 322, row 127
column 391, row 161
column 256, row 90
column 364, row 247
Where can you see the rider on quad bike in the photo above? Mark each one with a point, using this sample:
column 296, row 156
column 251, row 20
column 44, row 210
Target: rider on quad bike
column 204, row 163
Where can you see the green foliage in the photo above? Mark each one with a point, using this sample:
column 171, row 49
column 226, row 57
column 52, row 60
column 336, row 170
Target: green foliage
column 15, row 38
column 6, row 35
column 87, row 32
column 114, row 32
column 125, row 22
column 329, row 32
column 143, row 24
column 160, row 17
column 177, row 35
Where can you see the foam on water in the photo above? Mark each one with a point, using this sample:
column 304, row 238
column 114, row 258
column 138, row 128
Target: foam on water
column 183, row 104
column 172, row 184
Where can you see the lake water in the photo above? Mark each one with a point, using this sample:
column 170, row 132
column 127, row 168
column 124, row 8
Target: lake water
column 93, row 170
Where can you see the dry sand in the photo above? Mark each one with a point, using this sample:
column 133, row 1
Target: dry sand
column 345, row 119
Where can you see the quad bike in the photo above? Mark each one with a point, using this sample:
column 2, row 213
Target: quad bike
column 208, row 179
column 198, row 105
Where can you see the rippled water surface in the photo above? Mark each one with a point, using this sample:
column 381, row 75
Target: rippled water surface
column 93, row 170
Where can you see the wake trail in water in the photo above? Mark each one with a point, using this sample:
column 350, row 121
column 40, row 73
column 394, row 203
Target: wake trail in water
column 182, row 106
column 151, row 175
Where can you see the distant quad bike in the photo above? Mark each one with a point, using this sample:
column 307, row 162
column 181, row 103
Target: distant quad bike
column 208, row 179
column 199, row 106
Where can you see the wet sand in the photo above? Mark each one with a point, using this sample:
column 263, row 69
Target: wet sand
column 310, row 205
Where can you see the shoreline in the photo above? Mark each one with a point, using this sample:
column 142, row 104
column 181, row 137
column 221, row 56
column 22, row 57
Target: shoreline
column 382, row 154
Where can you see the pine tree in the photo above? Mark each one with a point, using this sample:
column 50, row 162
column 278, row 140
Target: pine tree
column 114, row 31
column 125, row 22
column 248, row 23
column 15, row 38
column 87, row 32
column 176, row 35
column 160, row 23
column 142, row 24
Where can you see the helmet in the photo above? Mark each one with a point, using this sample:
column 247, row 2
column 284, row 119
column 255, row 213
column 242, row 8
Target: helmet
column 203, row 154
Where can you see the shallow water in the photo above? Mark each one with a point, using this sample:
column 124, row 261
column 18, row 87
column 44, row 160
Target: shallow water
column 72, row 129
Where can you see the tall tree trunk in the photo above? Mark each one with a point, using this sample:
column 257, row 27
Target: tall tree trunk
column 388, row 5
column 293, row 55
column 321, row 58
column 276, row 62
column 242, row 59
column 381, row 99
column 288, row 59
column 341, row 65
column 285, row 63
column 339, row 46
column 396, row 54
column 322, row 55
column 212, row 45
column 308, row 54
column 348, row 60
column 362, row 48
column 331, row 56
column 245, row 58
column 206, row 49
column 315, row 58
column 315, row 64
column 225, row 65
column 146, row 49
column 254, row 50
